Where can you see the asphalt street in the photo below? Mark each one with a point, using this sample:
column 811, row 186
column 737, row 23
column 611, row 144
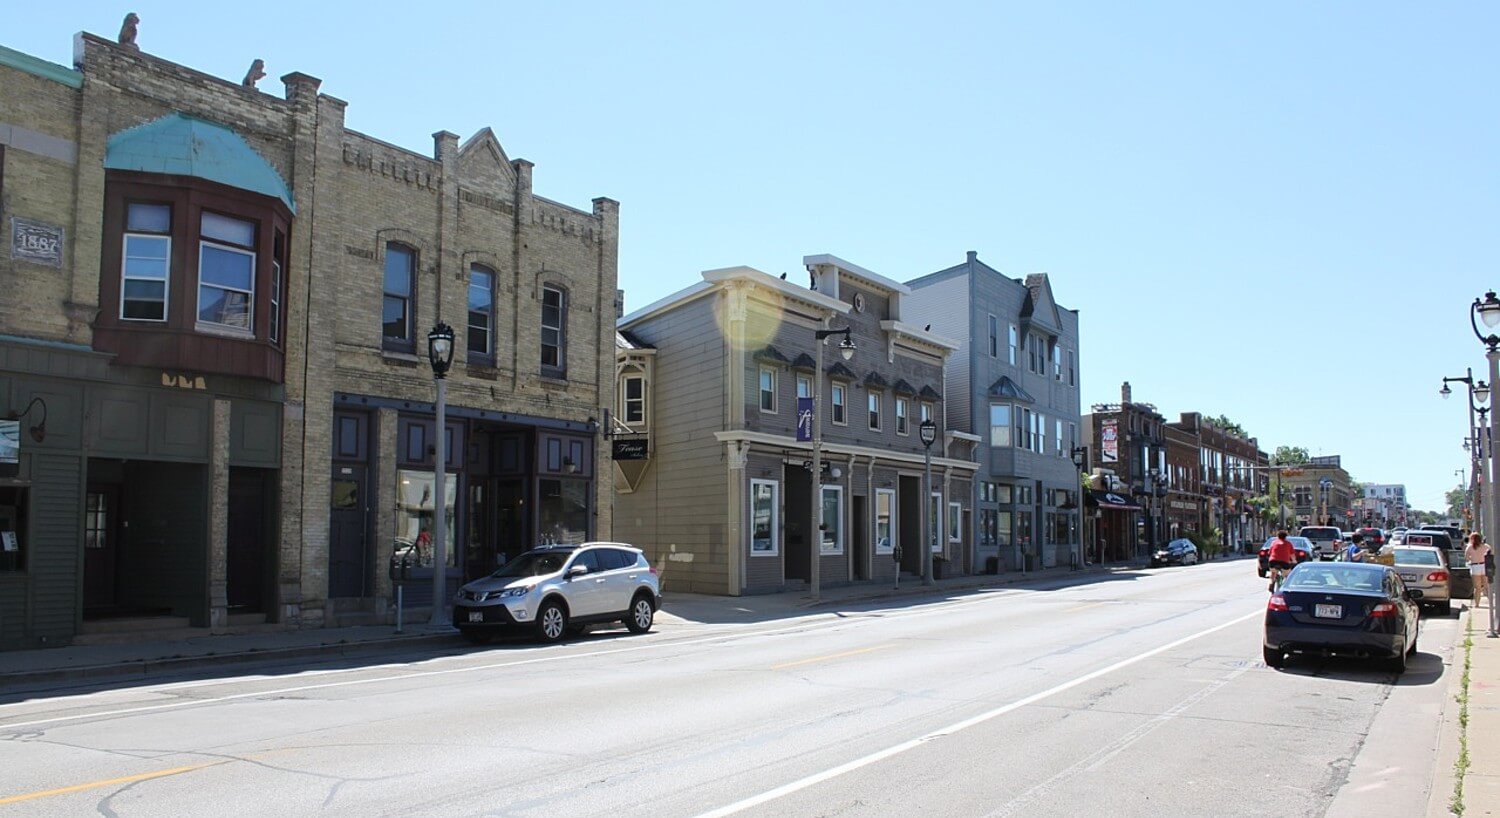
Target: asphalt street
column 1139, row 694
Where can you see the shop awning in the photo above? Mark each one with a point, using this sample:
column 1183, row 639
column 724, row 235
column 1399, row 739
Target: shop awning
column 1112, row 500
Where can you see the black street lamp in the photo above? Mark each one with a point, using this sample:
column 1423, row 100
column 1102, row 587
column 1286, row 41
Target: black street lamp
column 1488, row 311
column 1080, row 455
column 846, row 349
column 440, row 356
column 928, row 432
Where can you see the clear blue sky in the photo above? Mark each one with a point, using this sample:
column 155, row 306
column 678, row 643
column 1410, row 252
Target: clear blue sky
column 1275, row 211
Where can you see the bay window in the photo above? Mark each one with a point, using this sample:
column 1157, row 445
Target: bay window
column 1000, row 425
column 148, row 259
column 226, row 272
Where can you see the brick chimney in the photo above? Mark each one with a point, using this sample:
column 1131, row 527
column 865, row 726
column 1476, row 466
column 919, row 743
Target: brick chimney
column 1125, row 392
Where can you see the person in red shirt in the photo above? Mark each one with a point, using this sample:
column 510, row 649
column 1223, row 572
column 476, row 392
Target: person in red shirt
column 1282, row 558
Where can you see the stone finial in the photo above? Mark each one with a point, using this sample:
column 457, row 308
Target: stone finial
column 127, row 31
column 254, row 75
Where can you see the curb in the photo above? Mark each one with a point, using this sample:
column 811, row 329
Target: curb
column 1443, row 776
column 147, row 668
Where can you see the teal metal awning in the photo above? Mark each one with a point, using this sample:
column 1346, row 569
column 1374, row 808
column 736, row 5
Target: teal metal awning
column 187, row 146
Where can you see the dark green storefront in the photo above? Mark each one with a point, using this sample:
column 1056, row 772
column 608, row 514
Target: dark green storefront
column 111, row 513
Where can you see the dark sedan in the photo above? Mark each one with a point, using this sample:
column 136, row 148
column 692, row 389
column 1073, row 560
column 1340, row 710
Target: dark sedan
column 1342, row 609
column 1176, row 552
column 1300, row 545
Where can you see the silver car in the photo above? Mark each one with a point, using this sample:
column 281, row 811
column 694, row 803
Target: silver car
column 558, row 590
column 1423, row 568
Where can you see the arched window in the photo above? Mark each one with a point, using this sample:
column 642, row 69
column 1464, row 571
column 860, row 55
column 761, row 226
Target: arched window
column 400, row 298
column 481, row 315
column 554, row 331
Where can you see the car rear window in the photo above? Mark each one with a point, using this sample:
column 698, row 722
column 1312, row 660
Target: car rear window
column 1321, row 533
column 1419, row 539
column 1417, row 556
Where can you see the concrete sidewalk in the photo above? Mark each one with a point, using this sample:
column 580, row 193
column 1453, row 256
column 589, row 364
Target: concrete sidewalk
column 1479, row 738
column 149, row 659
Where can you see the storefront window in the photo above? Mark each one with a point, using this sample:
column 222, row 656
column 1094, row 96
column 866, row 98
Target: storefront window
column 955, row 522
column 885, row 506
column 414, row 515
column 1003, row 528
column 989, row 527
column 563, row 511
column 12, row 529
column 763, row 525
column 833, row 520
column 935, row 521
column 1023, row 528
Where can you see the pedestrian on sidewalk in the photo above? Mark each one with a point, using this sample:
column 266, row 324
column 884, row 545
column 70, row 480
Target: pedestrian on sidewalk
column 1474, row 554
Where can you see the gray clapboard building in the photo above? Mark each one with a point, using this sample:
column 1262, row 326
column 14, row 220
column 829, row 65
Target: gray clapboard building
column 1014, row 381
column 711, row 477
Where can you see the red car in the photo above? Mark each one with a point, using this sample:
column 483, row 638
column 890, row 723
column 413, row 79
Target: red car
column 1300, row 545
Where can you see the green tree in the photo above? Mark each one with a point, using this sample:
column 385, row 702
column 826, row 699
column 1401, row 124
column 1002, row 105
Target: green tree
column 1456, row 499
column 1223, row 422
column 1289, row 455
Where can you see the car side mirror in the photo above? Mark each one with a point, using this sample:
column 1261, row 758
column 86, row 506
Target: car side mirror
column 577, row 571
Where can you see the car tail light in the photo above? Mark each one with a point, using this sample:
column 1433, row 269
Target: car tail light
column 1276, row 603
column 1382, row 610
column 653, row 570
column 1438, row 576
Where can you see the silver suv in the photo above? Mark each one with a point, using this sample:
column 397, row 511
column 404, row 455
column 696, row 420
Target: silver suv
column 558, row 590
column 1326, row 538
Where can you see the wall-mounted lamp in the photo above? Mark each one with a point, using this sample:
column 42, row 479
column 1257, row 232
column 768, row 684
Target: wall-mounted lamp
column 38, row 431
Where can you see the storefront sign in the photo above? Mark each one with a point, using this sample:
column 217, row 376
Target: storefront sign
column 1109, row 438
column 36, row 242
column 10, row 441
column 633, row 448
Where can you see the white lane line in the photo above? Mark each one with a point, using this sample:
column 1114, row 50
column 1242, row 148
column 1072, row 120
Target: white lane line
column 1100, row 757
column 881, row 755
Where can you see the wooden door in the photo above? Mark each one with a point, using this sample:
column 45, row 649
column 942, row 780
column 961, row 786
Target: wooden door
column 101, row 546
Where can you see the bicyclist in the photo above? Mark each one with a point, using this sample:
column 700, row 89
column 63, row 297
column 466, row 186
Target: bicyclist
column 1281, row 558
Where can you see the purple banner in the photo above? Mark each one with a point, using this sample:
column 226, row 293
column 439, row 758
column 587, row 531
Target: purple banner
column 804, row 419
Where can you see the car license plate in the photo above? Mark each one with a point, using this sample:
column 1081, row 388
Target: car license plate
column 1409, row 577
column 476, row 616
column 1329, row 611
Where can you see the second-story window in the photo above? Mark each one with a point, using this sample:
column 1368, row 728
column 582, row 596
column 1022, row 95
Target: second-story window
column 1057, row 369
column 635, row 399
column 481, row 314
column 226, row 272
column 396, row 310
column 554, row 331
column 1014, row 340
column 278, row 253
column 836, row 400
column 1000, row 425
column 148, row 262
column 1072, row 371
column 804, row 386
column 767, row 389
column 874, row 404
column 901, row 427
column 994, row 337
column 926, row 413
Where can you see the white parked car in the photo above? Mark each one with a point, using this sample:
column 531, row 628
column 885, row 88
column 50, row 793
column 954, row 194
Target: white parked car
column 558, row 590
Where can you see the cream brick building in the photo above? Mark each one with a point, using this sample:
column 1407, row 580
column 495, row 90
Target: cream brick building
column 218, row 299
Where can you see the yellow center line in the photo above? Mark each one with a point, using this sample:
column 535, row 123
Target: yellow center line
column 93, row 785
column 826, row 658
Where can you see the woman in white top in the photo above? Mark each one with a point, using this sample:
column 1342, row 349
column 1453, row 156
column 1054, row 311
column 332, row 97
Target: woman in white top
column 1474, row 554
